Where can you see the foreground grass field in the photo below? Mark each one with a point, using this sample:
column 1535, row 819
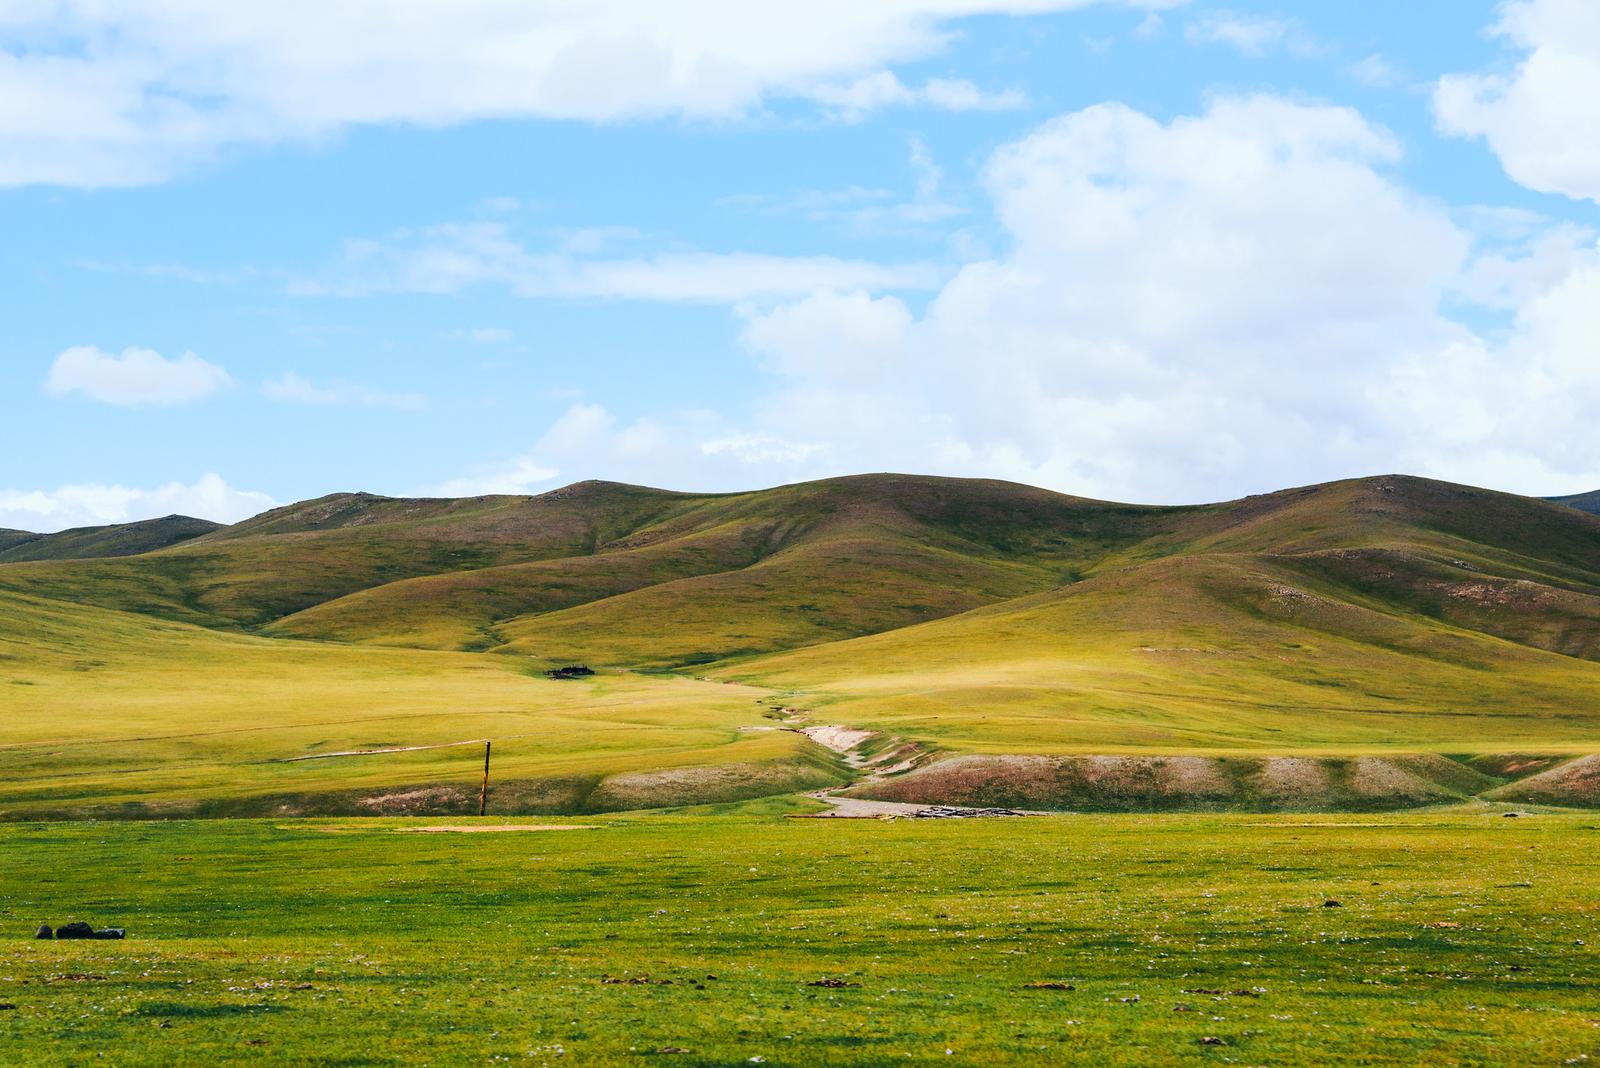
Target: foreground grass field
column 1460, row 938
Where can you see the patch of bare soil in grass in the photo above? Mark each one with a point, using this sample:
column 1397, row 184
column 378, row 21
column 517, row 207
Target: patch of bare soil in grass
column 1184, row 783
column 413, row 802
column 1294, row 782
column 1574, row 784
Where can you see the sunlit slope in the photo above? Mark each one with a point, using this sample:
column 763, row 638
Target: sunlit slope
column 110, row 711
column 292, row 558
column 1218, row 652
column 755, row 572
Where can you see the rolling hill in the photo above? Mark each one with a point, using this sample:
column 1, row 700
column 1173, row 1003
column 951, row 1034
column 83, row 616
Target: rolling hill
column 122, row 539
column 1588, row 502
column 985, row 634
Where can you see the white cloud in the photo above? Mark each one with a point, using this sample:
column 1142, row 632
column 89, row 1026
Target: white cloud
column 883, row 89
column 828, row 336
column 1539, row 118
column 517, row 476
column 454, row 256
column 1186, row 310
column 136, row 377
column 90, row 504
column 95, row 93
column 867, row 209
column 763, row 449
column 1251, row 36
column 1376, row 72
column 292, row 389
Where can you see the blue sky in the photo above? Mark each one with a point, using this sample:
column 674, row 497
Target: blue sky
column 1154, row 251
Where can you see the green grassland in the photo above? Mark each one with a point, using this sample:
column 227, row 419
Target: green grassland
column 1461, row 938
column 118, row 714
column 234, row 671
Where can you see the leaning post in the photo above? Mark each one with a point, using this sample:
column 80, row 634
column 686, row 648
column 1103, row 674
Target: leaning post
column 483, row 795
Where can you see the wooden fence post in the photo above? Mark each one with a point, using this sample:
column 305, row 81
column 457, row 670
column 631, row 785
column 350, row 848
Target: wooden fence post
column 483, row 796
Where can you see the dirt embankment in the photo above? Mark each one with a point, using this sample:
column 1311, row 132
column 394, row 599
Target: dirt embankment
column 1197, row 783
column 1575, row 784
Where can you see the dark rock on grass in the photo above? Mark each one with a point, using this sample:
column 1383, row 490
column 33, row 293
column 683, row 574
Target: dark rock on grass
column 76, row 929
column 1213, row 1040
column 947, row 812
column 1332, row 904
column 1048, row 984
column 832, row 984
column 571, row 671
column 44, row 931
column 6, row 1005
column 111, row 932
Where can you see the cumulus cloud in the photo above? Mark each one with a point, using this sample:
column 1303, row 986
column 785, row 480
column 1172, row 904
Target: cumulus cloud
column 1540, row 117
column 135, row 377
column 95, row 504
column 1183, row 310
column 290, row 388
column 118, row 94
column 454, row 256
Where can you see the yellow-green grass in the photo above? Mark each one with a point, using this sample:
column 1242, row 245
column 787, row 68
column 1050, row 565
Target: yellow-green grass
column 1461, row 938
column 1382, row 615
column 1217, row 654
column 101, row 708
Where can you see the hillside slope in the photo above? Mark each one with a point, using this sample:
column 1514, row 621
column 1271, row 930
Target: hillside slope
column 984, row 631
column 1587, row 502
column 120, row 539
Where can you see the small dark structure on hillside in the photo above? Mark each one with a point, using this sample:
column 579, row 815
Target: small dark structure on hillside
column 571, row 671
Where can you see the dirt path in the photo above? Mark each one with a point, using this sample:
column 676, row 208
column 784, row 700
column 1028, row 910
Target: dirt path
column 859, row 808
column 894, row 757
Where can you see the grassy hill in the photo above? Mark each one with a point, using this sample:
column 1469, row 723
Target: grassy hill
column 955, row 619
column 1588, row 502
column 121, row 539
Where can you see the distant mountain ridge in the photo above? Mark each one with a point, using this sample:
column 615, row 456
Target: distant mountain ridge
column 116, row 539
column 1587, row 502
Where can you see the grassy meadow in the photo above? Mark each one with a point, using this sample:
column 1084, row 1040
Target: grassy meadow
column 699, row 938
column 119, row 714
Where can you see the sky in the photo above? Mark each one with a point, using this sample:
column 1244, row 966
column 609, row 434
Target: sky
column 1141, row 250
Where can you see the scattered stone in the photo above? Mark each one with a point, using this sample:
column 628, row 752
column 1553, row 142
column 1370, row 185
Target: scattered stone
column 6, row 1006
column 671, row 1049
column 946, row 812
column 571, row 671
column 1049, row 984
column 832, row 984
column 44, row 931
column 76, row 929
column 1213, row 1040
column 111, row 932
column 1332, row 904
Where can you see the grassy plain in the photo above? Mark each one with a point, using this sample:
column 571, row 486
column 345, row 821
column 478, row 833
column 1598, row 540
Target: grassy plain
column 110, row 711
column 1461, row 938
